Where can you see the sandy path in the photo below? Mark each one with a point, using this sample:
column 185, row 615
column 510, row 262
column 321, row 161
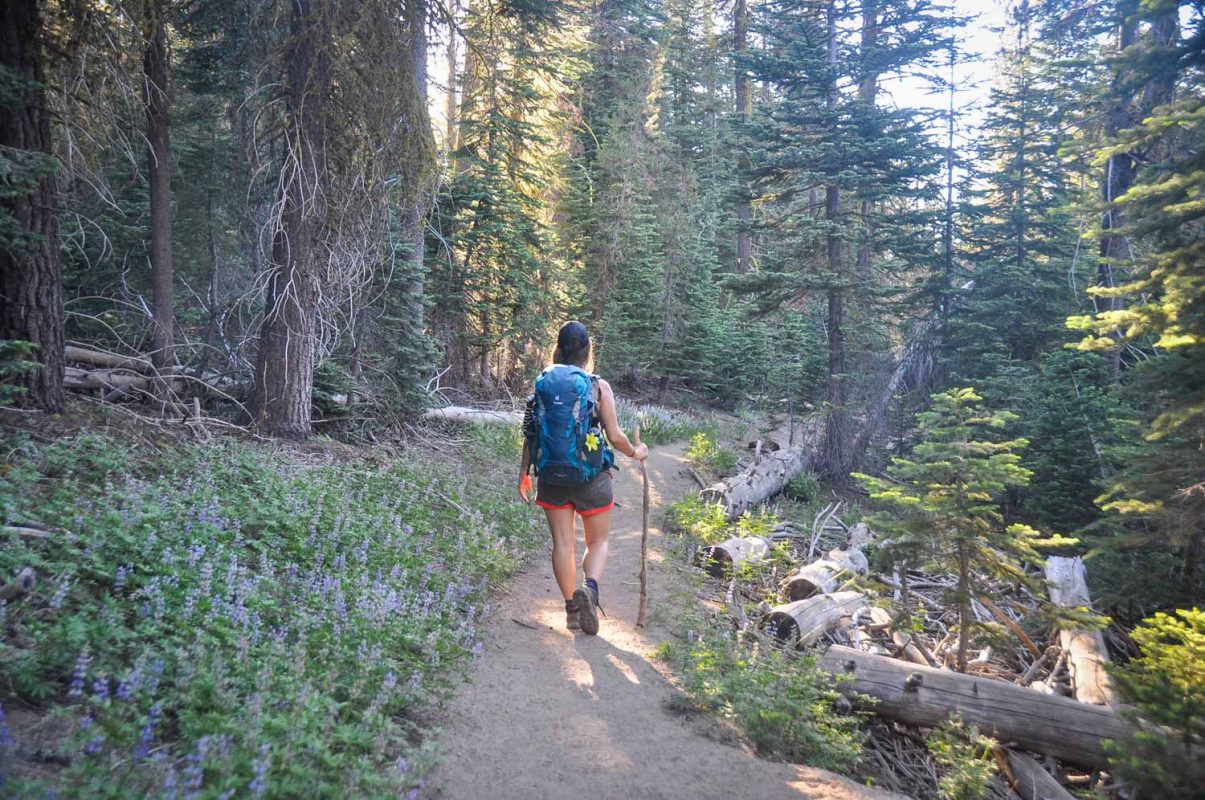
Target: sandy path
column 553, row 714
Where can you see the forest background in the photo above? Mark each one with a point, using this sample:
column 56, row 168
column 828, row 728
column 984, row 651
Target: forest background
column 320, row 214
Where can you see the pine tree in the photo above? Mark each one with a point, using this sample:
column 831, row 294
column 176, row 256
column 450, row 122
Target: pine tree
column 31, row 288
column 1164, row 297
column 945, row 503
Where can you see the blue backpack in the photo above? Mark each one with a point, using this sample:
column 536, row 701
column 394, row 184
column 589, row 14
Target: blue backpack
column 564, row 436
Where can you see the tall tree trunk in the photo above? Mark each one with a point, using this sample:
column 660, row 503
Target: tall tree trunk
column 450, row 101
column 413, row 226
column 744, row 107
column 284, row 369
column 867, row 91
column 31, row 285
column 947, row 234
column 158, row 132
column 1119, row 172
column 834, row 451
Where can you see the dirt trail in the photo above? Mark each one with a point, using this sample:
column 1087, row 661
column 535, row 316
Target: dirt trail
column 553, row 714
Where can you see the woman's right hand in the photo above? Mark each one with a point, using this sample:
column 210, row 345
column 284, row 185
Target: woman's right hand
column 525, row 489
column 640, row 452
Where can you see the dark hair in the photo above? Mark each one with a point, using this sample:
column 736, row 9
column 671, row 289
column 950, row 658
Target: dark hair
column 572, row 345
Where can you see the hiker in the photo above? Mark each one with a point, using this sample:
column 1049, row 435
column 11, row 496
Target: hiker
column 569, row 429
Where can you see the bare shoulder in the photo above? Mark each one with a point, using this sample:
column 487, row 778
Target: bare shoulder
column 605, row 387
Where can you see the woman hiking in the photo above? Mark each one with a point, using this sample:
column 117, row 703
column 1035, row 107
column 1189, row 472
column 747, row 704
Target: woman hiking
column 569, row 430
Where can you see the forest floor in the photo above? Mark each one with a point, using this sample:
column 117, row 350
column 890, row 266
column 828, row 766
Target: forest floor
column 550, row 713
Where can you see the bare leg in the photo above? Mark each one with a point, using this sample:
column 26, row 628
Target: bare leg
column 598, row 529
column 564, row 548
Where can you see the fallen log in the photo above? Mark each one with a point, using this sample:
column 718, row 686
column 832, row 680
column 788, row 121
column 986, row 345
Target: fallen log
column 24, row 532
column 110, row 379
column 923, row 696
column 1086, row 652
column 825, row 575
column 465, row 415
column 22, row 584
column 101, row 358
column 1027, row 777
column 766, row 477
column 721, row 559
column 805, row 621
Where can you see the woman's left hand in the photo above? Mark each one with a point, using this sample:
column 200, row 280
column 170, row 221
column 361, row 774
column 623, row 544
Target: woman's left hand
column 525, row 488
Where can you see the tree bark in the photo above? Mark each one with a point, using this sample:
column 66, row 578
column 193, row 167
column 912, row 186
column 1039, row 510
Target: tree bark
column 1119, row 172
column 1086, row 651
column 474, row 416
column 1028, row 779
column 768, row 475
column 744, row 107
column 414, row 223
column 825, row 575
column 834, row 464
column 805, row 621
column 926, row 697
column 284, row 370
column 158, row 133
column 31, row 286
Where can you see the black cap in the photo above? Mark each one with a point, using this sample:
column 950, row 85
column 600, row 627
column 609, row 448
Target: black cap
column 572, row 337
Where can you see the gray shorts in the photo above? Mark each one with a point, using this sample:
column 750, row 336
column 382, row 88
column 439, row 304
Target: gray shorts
column 588, row 499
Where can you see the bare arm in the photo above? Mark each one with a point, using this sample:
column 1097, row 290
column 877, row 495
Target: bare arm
column 610, row 421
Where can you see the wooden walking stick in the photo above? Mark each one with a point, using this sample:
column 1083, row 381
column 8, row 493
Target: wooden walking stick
column 644, row 541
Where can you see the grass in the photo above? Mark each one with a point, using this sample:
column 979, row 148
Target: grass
column 783, row 703
column 230, row 621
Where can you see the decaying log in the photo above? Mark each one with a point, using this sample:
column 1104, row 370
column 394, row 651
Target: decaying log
column 805, row 621
column 720, row 559
column 110, row 379
column 766, row 477
column 912, row 648
column 1027, row 777
column 25, row 533
column 24, row 582
column 923, row 696
column 1086, row 652
column 825, row 575
column 100, row 358
column 479, row 416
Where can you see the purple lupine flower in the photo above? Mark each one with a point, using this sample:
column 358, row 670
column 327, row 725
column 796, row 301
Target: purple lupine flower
column 79, row 675
column 147, row 734
column 60, row 592
column 100, row 688
column 194, row 769
column 152, row 681
column 259, row 785
column 6, row 738
column 129, row 685
column 402, row 766
column 94, row 744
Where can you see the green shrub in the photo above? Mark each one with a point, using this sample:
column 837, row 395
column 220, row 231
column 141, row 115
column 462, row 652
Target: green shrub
column 705, row 453
column 964, row 758
column 16, row 358
column 1166, row 686
column 230, row 622
column 694, row 517
column 802, row 488
column 780, row 699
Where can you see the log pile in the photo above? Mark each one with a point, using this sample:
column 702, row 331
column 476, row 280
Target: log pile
column 1046, row 694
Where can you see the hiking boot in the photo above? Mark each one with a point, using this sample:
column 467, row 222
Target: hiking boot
column 572, row 620
column 587, row 609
